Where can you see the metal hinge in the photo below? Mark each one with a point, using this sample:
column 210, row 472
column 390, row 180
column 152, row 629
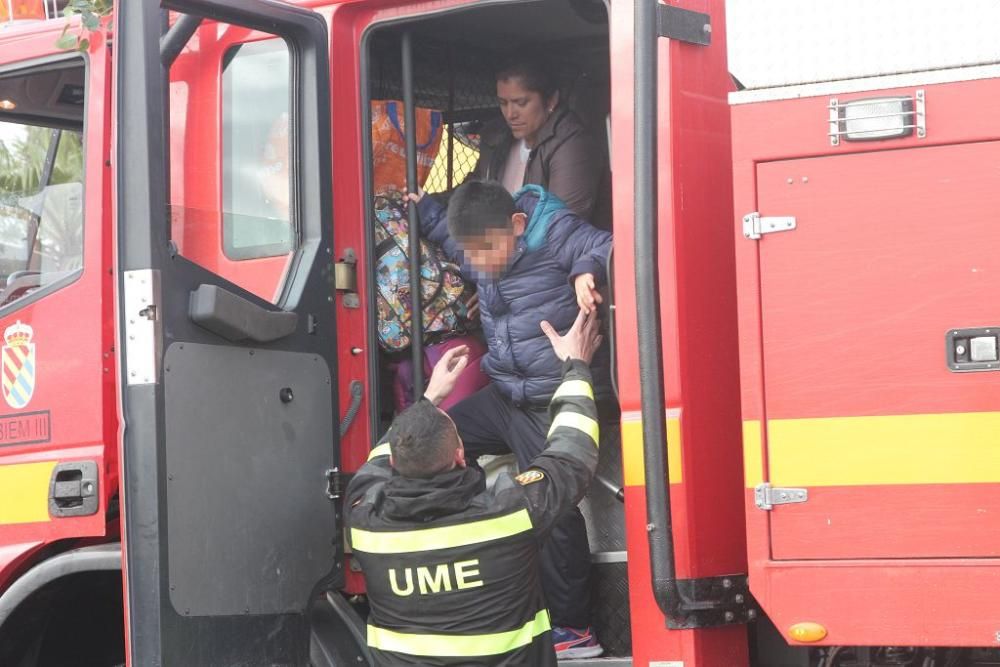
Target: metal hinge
column 334, row 483
column 683, row 25
column 345, row 274
column 755, row 226
column 766, row 497
column 143, row 326
column 345, row 278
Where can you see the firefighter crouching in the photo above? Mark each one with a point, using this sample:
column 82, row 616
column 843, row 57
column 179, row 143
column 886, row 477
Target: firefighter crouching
column 451, row 567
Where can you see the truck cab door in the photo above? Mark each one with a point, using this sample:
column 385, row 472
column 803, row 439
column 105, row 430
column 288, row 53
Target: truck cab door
column 227, row 380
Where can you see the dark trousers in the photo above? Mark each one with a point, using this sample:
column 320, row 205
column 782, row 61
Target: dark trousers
column 489, row 423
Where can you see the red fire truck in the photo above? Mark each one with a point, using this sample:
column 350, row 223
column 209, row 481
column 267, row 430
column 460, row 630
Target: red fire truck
column 806, row 473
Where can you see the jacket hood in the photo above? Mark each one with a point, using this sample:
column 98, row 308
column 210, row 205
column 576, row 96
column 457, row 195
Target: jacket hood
column 410, row 499
column 541, row 206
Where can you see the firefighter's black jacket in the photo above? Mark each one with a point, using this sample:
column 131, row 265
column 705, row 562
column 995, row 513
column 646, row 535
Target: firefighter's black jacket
column 451, row 567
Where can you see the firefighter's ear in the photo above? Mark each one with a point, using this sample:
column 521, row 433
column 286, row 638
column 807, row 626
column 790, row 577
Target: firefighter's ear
column 460, row 456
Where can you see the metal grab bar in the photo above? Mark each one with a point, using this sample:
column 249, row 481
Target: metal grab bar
column 416, row 294
column 659, row 528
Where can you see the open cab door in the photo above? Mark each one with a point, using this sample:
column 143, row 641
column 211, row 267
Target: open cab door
column 225, row 328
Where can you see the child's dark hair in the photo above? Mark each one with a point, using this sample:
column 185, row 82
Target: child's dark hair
column 422, row 440
column 533, row 74
column 478, row 206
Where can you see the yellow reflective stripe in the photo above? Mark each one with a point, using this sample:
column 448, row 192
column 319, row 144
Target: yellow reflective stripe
column 381, row 450
column 633, row 457
column 459, row 645
column 936, row 448
column 24, row 492
column 574, row 389
column 441, row 537
column 579, row 422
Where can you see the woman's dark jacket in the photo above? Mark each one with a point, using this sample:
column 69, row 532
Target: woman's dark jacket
column 567, row 161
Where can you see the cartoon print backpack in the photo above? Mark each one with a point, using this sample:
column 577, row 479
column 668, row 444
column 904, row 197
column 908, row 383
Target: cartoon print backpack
column 445, row 292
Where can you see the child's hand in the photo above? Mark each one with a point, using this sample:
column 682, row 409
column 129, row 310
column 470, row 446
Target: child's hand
column 587, row 296
column 415, row 198
column 473, row 307
column 446, row 372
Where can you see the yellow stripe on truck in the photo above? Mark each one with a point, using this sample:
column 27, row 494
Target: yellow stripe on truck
column 950, row 448
column 24, row 492
column 632, row 458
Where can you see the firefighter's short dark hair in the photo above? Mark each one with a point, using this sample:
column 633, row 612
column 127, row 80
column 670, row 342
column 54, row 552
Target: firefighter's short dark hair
column 423, row 441
column 478, row 206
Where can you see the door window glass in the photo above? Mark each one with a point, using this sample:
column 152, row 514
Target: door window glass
column 41, row 207
column 231, row 187
column 256, row 185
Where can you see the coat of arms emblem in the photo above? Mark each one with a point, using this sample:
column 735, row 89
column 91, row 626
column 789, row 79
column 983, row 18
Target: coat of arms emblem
column 18, row 365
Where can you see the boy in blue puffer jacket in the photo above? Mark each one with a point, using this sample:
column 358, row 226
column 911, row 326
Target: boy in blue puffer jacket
column 536, row 265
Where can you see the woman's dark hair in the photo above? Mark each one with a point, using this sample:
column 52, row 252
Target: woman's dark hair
column 533, row 74
column 422, row 440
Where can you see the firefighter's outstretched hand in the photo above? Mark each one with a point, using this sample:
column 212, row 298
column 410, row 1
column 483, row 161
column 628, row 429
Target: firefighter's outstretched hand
column 587, row 296
column 446, row 373
column 580, row 342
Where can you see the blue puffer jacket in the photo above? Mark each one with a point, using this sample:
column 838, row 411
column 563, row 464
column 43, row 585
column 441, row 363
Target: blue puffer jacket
column 556, row 247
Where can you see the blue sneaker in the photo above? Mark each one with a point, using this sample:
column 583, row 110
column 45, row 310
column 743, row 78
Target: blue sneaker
column 572, row 643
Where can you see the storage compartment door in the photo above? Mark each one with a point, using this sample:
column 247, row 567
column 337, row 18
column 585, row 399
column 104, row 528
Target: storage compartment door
column 868, row 403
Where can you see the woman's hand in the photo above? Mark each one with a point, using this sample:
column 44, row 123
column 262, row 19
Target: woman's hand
column 587, row 296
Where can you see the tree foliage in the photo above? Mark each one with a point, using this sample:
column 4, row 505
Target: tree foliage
column 22, row 160
column 90, row 12
column 23, row 198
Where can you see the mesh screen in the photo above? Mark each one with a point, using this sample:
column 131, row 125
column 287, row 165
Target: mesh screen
column 456, row 80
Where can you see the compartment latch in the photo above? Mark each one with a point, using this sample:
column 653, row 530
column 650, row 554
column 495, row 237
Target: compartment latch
column 73, row 489
column 976, row 349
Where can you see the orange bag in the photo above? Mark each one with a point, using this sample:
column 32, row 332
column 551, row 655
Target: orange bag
column 22, row 9
column 389, row 144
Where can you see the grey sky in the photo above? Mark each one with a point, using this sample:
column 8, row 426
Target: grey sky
column 774, row 42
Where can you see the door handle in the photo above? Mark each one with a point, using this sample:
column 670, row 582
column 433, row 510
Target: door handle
column 73, row 489
column 236, row 319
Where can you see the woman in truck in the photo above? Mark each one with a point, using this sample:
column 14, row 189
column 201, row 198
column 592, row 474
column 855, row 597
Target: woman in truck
column 541, row 142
